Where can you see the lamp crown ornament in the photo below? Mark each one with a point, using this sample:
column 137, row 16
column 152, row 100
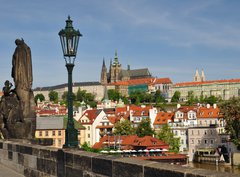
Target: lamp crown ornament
column 69, row 38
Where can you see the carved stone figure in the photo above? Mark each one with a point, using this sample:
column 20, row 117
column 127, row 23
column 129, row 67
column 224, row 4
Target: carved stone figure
column 22, row 76
column 17, row 106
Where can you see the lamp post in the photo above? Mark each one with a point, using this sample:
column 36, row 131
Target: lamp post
column 69, row 41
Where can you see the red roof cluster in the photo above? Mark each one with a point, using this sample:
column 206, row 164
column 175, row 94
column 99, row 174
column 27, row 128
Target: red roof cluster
column 132, row 142
column 148, row 81
column 48, row 109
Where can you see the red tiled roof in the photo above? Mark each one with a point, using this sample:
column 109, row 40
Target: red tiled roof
column 148, row 81
column 205, row 82
column 211, row 112
column 133, row 141
column 163, row 117
column 90, row 114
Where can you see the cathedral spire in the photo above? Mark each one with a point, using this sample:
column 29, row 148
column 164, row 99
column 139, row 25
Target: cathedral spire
column 116, row 62
column 197, row 76
column 203, row 78
column 104, row 73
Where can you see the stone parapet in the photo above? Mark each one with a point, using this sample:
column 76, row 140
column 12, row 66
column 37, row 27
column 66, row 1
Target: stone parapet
column 41, row 161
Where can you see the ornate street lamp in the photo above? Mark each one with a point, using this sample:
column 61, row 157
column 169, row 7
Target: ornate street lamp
column 69, row 40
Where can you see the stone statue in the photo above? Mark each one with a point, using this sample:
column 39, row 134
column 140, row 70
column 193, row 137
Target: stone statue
column 22, row 76
column 7, row 88
column 17, row 106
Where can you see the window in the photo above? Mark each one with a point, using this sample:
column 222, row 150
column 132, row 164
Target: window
column 59, row 133
column 192, row 141
column 40, row 133
column 176, row 132
column 206, row 141
column 182, row 141
column 199, row 141
column 53, row 133
column 205, row 132
column 88, row 135
column 198, row 132
column 79, row 132
column 46, row 133
column 53, row 141
column 88, row 127
column 212, row 141
column 192, row 150
column 59, row 142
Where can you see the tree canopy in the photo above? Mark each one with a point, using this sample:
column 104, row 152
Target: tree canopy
column 165, row 134
column 176, row 97
column 53, row 96
column 123, row 128
column 144, row 128
column 231, row 114
column 39, row 96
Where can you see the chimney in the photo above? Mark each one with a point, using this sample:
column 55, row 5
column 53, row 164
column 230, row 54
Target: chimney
column 214, row 105
column 178, row 106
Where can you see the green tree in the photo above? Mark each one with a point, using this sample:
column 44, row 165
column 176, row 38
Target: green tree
column 144, row 128
column 231, row 114
column 85, row 146
column 124, row 128
column 211, row 100
column 113, row 95
column 165, row 134
column 158, row 97
column 80, row 95
column 53, row 96
column 190, row 98
column 176, row 96
column 39, row 96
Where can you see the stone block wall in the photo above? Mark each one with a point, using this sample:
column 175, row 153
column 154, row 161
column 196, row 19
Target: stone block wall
column 39, row 161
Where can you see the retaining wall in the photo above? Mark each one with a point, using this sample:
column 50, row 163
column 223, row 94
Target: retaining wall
column 40, row 161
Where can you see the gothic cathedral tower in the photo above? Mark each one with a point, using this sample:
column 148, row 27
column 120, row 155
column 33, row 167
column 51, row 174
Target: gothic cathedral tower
column 104, row 73
column 115, row 69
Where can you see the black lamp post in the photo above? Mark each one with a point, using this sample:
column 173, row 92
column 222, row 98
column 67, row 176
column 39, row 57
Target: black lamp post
column 69, row 40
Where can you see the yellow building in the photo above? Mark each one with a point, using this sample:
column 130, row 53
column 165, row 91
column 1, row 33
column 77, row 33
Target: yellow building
column 54, row 127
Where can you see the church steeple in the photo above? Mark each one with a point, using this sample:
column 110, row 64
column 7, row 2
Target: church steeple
column 104, row 73
column 116, row 62
column 203, row 78
column 197, row 77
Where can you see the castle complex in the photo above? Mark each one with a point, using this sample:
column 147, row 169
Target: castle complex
column 116, row 73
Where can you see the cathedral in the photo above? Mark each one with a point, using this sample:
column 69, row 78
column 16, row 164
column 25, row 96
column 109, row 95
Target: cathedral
column 116, row 73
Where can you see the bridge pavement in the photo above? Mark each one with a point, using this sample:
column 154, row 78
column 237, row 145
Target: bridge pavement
column 7, row 172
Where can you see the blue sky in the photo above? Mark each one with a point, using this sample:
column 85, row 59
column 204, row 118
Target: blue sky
column 172, row 38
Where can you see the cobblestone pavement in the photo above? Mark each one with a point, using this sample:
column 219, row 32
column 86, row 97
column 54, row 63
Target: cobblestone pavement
column 7, row 172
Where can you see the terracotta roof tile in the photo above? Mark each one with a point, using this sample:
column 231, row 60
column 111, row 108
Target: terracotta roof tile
column 148, row 81
column 163, row 118
column 211, row 112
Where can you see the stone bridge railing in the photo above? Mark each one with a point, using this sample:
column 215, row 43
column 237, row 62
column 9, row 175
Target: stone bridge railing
column 41, row 161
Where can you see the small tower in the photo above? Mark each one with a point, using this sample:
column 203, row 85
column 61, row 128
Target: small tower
column 203, row 78
column 115, row 69
column 197, row 77
column 104, row 73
